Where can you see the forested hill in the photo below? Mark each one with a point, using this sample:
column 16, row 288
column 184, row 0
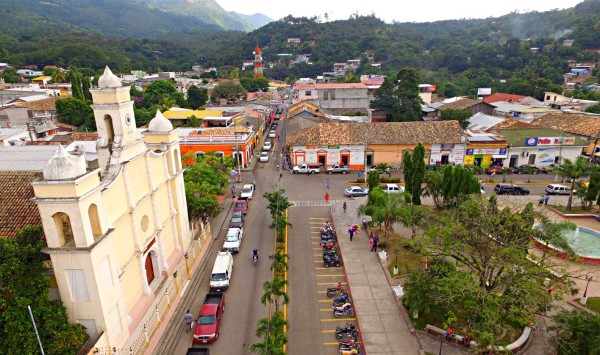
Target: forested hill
column 110, row 17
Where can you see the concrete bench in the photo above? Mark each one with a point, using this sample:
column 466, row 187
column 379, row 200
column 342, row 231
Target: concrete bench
column 457, row 338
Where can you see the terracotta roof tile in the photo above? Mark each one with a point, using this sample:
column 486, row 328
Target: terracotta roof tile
column 503, row 97
column 461, row 104
column 331, row 86
column 48, row 104
column 434, row 132
column 16, row 209
column 583, row 125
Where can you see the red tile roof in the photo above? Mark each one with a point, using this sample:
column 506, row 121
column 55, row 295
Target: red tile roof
column 16, row 209
column 503, row 97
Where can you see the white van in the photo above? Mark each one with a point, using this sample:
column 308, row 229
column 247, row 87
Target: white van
column 221, row 273
column 556, row 189
column 392, row 188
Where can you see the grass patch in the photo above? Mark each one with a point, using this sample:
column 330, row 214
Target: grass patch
column 593, row 303
column 408, row 260
column 574, row 210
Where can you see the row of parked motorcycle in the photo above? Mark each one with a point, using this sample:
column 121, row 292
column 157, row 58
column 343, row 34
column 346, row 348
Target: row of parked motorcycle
column 342, row 306
column 331, row 251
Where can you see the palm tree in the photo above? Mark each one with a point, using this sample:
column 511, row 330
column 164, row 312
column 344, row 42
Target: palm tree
column 273, row 291
column 59, row 76
column 279, row 263
column 385, row 208
column 271, row 329
column 574, row 170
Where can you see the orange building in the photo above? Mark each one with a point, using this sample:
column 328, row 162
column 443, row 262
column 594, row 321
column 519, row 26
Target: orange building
column 223, row 141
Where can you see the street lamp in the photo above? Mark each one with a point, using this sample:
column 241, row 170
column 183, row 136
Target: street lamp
column 584, row 298
column 396, row 251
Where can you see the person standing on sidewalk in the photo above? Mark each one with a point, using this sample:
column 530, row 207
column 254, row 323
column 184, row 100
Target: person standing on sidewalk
column 375, row 242
column 351, row 232
column 188, row 321
column 254, row 184
column 327, row 183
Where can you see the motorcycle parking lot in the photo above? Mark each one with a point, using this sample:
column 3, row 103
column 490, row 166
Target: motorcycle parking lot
column 310, row 312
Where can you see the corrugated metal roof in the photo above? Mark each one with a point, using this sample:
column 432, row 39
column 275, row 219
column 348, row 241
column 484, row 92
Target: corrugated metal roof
column 26, row 158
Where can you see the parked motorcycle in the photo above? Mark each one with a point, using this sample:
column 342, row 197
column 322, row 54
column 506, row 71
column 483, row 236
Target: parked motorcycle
column 339, row 289
column 348, row 331
column 331, row 260
column 343, row 310
column 350, row 345
column 340, row 301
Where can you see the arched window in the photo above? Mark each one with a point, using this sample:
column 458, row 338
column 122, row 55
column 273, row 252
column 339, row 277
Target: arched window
column 64, row 230
column 110, row 131
column 94, row 220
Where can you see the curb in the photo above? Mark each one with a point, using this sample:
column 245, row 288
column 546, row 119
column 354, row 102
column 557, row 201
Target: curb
column 567, row 215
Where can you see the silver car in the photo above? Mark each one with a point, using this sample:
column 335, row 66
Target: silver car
column 354, row 191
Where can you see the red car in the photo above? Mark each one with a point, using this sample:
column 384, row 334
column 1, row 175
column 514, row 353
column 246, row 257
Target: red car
column 496, row 169
column 207, row 325
column 241, row 205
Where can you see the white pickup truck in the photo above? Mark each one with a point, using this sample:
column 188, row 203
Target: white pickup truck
column 233, row 240
column 306, row 169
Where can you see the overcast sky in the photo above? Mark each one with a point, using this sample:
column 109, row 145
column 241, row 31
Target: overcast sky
column 390, row 10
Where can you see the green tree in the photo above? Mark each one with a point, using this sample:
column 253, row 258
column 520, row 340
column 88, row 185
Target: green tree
column 24, row 282
column 197, row 97
column 228, row 90
column 577, row 332
column 414, row 172
column 11, row 76
column 274, row 291
column 75, row 112
column 574, row 170
column 451, row 186
column 462, row 116
column 271, row 330
column 85, row 88
column 592, row 192
column 160, row 92
column 59, row 76
column 386, row 99
column 76, row 85
column 351, row 78
column 278, row 204
column 414, row 217
column 408, row 94
column 593, row 109
column 204, row 180
column 385, row 208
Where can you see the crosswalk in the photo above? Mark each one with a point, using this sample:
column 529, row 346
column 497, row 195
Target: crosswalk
column 314, row 203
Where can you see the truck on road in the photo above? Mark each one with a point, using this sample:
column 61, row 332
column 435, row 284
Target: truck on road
column 338, row 169
column 306, row 169
column 207, row 325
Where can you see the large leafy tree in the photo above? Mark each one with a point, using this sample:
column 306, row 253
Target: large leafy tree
column 228, row 90
column 451, row 186
column 160, row 92
column 462, row 116
column 197, row 97
column 408, row 81
column 23, row 283
column 386, row 99
column 204, row 180
column 495, row 284
column 577, row 332
column 76, row 112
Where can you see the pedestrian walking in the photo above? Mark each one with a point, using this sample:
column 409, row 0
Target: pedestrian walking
column 375, row 242
column 371, row 242
column 233, row 189
column 344, row 206
column 327, row 183
column 546, row 199
column 188, row 321
column 351, row 232
column 326, row 197
column 254, row 184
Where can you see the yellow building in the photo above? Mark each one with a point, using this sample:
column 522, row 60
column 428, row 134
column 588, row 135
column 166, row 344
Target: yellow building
column 114, row 234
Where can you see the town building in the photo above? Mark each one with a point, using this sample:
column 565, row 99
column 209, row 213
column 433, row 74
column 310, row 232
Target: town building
column 115, row 234
column 357, row 144
column 485, row 149
column 334, row 96
column 540, row 147
column 223, row 141
column 585, row 126
column 471, row 105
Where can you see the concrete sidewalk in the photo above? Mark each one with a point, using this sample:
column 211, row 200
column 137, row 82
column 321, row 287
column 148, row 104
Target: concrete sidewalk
column 384, row 328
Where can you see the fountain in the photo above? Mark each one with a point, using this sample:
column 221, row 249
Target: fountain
column 584, row 241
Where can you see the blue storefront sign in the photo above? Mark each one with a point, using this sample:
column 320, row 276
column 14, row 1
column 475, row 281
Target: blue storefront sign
column 531, row 141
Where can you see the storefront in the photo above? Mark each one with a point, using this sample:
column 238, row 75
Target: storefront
column 327, row 155
column 442, row 154
column 485, row 157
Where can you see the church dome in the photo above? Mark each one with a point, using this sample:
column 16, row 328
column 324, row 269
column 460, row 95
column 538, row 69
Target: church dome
column 160, row 124
column 64, row 166
column 109, row 80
